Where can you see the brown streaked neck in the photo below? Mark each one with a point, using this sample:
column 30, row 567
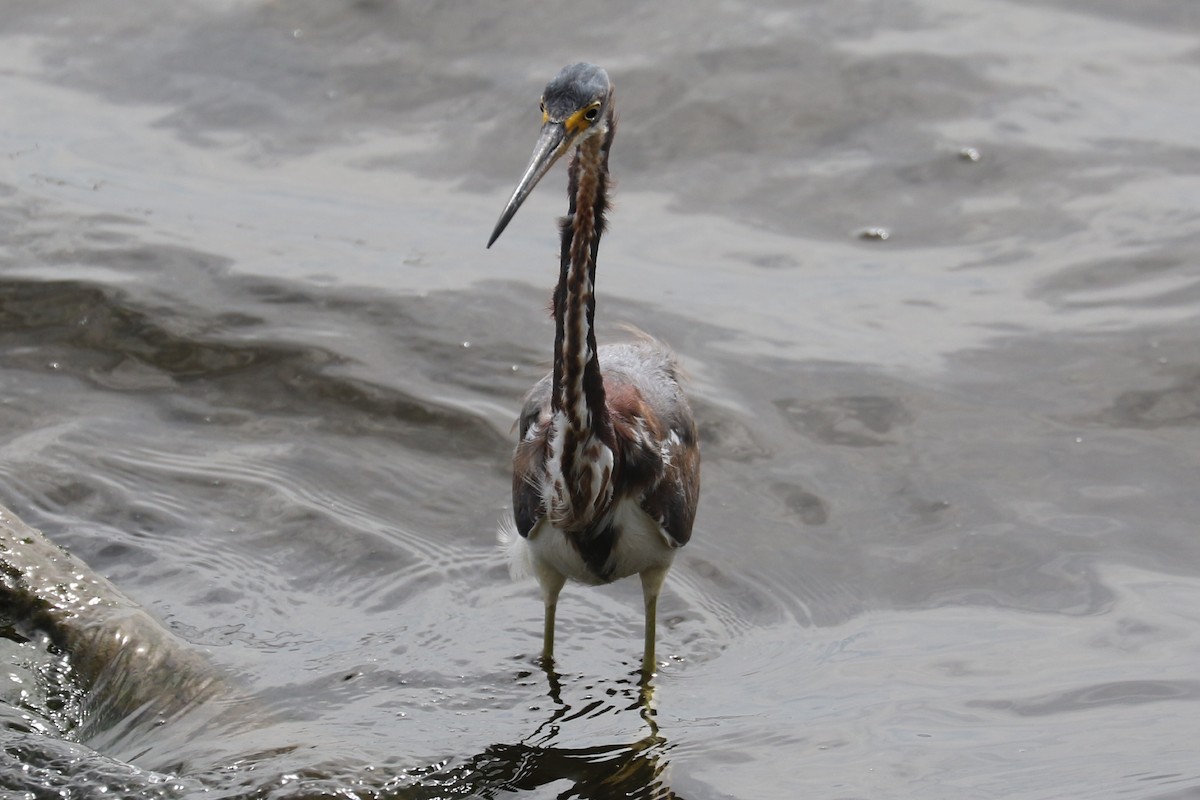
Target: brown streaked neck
column 578, row 389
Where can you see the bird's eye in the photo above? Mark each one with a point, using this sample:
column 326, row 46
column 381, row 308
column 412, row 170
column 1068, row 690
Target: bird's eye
column 542, row 106
column 592, row 114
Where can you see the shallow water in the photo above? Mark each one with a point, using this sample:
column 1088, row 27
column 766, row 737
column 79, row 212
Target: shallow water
column 259, row 371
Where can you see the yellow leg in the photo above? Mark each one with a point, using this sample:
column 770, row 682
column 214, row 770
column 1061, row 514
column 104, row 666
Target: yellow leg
column 652, row 581
column 552, row 584
column 548, row 633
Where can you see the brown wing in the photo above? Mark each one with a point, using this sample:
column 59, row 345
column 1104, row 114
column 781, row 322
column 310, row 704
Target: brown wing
column 529, row 459
column 655, row 433
column 673, row 502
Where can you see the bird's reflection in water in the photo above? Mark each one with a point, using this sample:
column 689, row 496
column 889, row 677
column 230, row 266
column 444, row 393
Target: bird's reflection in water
column 627, row 770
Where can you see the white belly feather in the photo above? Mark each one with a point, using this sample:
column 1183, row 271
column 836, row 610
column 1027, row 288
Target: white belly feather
column 641, row 544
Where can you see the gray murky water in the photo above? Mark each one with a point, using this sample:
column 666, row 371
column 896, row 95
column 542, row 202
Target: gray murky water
column 257, row 369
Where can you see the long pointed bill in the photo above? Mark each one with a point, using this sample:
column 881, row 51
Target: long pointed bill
column 551, row 144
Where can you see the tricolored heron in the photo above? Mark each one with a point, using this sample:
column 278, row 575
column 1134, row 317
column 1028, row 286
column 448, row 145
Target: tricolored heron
column 606, row 473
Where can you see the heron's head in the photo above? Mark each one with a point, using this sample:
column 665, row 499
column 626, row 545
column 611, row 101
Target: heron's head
column 575, row 106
